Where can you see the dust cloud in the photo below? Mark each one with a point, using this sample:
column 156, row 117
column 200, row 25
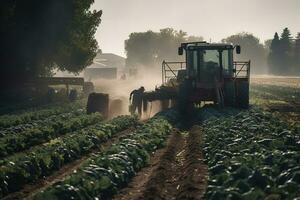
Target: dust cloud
column 120, row 90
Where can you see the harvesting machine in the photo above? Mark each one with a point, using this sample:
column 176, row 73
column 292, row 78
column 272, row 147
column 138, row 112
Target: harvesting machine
column 209, row 74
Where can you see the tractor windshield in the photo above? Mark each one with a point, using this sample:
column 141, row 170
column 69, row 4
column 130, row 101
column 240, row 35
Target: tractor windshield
column 206, row 64
column 211, row 57
column 203, row 64
column 210, row 67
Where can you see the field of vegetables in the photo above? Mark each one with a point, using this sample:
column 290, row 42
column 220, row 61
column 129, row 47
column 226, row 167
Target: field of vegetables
column 60, row 152
column 252, row 155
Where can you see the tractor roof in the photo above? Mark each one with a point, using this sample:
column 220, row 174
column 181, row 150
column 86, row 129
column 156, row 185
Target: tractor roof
column 206, row 45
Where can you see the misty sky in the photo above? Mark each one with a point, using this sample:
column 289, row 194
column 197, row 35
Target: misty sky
column 212, row 19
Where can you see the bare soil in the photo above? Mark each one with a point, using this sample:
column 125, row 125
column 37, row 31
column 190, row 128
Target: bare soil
column 176, row 172
column 31, row 189
column 195, row 172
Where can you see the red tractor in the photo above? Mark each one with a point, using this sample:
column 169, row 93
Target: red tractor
column 209, row 75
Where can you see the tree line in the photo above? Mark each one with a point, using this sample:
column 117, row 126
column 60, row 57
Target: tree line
column 280, row 56
column 284, row 56
column 150, row 48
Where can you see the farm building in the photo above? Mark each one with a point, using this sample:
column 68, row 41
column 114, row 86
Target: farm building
column 105, row 65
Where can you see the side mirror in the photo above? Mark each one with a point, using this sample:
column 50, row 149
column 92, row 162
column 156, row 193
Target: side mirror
column 238, row 49
column 180, row 51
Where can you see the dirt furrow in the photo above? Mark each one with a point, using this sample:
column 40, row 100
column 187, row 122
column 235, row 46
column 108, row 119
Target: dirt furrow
column 176, row 172
column 194, row 174
column 152, row 181
column 166, row 175
column 31, row 189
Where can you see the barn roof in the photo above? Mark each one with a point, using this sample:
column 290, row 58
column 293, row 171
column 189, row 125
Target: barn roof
column 107, row 60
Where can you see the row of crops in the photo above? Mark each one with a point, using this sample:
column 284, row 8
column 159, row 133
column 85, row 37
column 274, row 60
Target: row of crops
column 16, row 141
column 252, row 155
column 41, row 161
column 104, row 173
column 275, row 93
column 30, row 116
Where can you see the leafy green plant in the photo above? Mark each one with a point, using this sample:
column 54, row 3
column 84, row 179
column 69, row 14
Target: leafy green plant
column 30, row 116
column 42, row 161
column 44, row 132
column 104, row 173
column 252, row 155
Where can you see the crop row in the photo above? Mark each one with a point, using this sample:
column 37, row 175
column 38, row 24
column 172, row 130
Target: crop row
column 16, row 119
column 252, row 156
column 40, row 123
column 42, row 161
column 13, row 143
column 104, row 173
column 283, row 93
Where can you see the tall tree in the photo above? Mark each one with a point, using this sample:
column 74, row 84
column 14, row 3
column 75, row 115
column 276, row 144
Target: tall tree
column 252, row 50
column 297, row 55
column 149, row 49
column 286, row 51
column 267, row 44
column 37, row 37
column 274, row 60
column 141, row 49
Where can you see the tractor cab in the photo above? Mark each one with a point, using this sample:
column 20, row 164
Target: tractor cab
column 208, row 64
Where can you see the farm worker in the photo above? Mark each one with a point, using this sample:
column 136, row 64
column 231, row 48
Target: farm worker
column 137, row 99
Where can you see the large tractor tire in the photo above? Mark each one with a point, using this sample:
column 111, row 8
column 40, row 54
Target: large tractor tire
column 242, row 94
column 183, row 101
column 229, row 94
column 98, row 102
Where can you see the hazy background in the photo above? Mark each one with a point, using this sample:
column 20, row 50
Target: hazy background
column 212, row 19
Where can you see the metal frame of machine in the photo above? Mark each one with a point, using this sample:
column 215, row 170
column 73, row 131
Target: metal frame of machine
column 230, row 88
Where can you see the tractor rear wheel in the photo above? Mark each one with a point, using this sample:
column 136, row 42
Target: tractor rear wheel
column 184, row 97
column 242, row 94
column 98, row 102
column 229, row 93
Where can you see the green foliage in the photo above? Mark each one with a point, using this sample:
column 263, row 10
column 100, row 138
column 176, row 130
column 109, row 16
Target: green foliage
column 103, row 173
column 274, row 55
column 41, row 161
column 251, row 155
column 27, row 116
column 25, row 136
column 286, row 50
column 149, row 49
column 284, row 54
column 297, row 55
column 37, row 37
column 252, row 50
